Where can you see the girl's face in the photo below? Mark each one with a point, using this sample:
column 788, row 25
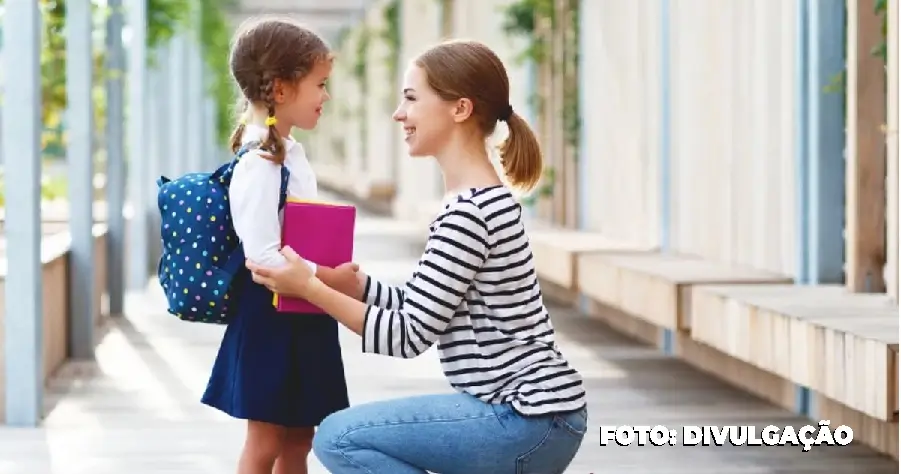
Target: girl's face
column 427, row 119
column 301, row 106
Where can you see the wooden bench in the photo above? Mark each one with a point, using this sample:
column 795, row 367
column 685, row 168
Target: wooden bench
column 556, row 252
column 842, row 345
column 656, row 287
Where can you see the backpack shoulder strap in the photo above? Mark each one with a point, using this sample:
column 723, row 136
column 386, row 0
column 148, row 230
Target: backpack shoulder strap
column 251, row 145
column 283, row 191
column 235, row 261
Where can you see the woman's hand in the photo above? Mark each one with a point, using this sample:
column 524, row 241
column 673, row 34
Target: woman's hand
column 291, row 279
column 295, row 279
column 346, row 278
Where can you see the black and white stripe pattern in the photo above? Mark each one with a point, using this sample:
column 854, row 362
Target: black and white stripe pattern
column 475, row 292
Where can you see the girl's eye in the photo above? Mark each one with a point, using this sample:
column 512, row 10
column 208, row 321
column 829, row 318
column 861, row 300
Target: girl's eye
column 407, row 97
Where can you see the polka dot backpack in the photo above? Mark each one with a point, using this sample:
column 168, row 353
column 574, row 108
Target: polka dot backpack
column 201, row 254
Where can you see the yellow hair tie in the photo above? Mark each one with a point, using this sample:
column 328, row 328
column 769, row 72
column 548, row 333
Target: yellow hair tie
column 270, row 121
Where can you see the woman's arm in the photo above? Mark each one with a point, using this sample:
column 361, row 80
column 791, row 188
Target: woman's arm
column 380, row 294
column 454, row 255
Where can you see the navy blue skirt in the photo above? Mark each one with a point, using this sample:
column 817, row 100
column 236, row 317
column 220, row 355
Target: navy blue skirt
column 279, row 368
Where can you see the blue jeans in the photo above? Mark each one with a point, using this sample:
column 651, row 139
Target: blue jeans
column 446, row 434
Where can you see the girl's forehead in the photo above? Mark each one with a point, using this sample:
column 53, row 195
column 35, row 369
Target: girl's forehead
column 322, row 67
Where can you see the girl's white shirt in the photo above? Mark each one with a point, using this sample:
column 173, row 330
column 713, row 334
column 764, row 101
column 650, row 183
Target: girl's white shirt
column 254, row 195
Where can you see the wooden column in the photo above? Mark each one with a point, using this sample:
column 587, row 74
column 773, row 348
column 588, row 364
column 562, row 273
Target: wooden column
column 569, row 88
column 866, row 157
column 892, row 155
column 555, row 145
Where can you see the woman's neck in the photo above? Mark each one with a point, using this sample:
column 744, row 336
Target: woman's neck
column 465, row 164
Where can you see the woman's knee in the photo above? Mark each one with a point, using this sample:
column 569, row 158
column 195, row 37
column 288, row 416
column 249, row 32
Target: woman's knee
column 331, row 435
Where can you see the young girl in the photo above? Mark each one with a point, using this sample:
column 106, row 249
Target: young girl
column 283, row 373
column 519, row 407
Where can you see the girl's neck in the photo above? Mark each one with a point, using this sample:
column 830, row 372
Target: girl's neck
column 258, row 115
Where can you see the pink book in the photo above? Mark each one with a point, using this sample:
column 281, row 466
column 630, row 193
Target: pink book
column 320, row 232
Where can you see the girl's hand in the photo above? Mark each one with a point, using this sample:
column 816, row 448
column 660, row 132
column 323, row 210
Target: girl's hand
column 292, row 279
column 345, row 278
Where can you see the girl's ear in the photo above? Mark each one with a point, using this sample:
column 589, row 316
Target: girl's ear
column 281, row 91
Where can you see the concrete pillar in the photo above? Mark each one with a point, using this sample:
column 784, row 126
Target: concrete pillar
column 178, row 109
column 351, row 88
column 23, row 315
column 115, row 158
column 196, row 93
column 162, row 114
column 381, row 100
column 80, row 157
column 419, row 179
column 137, row 136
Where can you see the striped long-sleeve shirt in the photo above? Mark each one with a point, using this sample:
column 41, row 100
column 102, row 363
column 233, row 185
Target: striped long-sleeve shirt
column 475, row 292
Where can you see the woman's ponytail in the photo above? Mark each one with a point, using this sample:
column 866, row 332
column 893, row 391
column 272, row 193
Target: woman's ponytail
column 521, row 154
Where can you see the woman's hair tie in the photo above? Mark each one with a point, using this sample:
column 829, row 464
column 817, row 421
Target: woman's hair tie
column 506, row 113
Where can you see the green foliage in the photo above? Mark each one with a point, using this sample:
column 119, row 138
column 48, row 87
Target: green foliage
column 545, row 190
column 836, row 84
column 390, row 34
column 521, row 19
column 360, row 48
column 881, row 50
column 165, row 19
column 52, row 189
column 215, row 37
column 572, row 118
column 359, row 71
column 341, row 37
column 53, row 72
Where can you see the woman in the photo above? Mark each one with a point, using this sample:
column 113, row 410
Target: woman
column 519, row 406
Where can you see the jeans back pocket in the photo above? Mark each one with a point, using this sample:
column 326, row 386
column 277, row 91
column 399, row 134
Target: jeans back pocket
column 555, row 453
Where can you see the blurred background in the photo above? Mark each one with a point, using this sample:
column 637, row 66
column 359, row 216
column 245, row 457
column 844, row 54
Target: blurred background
column 721, row 177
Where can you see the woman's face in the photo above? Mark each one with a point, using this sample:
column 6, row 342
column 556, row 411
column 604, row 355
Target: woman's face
column 427, row 119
